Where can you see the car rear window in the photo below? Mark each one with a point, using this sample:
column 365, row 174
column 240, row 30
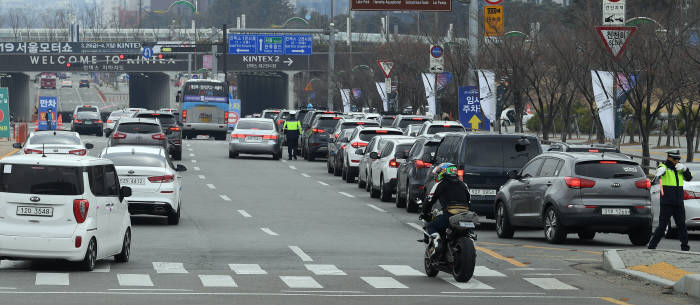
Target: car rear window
column 87, row 116
column 608, row 170
column 440, row 128
column 387, row 121
column 254, row 125
column 54, row 139
column 591, row 149
column 503, row 152
column 404, row 147
column 411, row 121
column 138, row 128
column 348, row 125
column 91, row 109
column 41, row 179
column 164, row 119
column 136, row 159
column 367, row 135
column 327, row 122
column 270, row 114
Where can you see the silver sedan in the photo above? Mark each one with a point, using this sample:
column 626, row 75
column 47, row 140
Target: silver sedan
column 255, row 136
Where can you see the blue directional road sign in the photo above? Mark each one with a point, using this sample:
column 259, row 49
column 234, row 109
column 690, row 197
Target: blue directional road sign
column 271, row 44
column 298, row 44
column 147, row 52
column 242, row 44
column 470, row 108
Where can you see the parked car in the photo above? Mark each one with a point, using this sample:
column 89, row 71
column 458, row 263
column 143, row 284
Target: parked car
column 594, row 148
column 169, row 125
column 403, row 121
column 411, row 175
column 255, row 136
column 112, row 120
column 54, row 142
column 483, row 161
column 154, row 180
column 580, row 193
column 138, row 131
column 691, row 201
column 359, row 139
column 336, row 152
column 433, row 127
column 316, row 138
column 50, row 208
column 382, row 177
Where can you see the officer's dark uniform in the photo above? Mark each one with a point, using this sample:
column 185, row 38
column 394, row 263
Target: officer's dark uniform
column 672, row 203
column 291, row 129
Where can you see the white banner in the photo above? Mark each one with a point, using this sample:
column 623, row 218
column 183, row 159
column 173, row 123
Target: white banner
column 429, row 85
column 603, row 91
column 345, row 95
column 487, row 93
column 381, row 89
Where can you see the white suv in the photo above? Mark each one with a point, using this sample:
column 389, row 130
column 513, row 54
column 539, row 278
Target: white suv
column 63, row 207
column 382, row 180
column 358, row 140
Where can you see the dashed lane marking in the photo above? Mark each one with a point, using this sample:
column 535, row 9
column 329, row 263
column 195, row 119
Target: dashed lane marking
column 322, row 183
column 101, row 267
column 472, row 284
column 383, row 282
column 201, row 177
column 191, row 155
column 169, row 268
column 211, row 186
column 269, row 232
column 301, row 254
column 244, row 213
column 56, row 279
column 293, row 167
column 224, row 197
column 217, row 281
column 194, row 161
column 141, row 280
column 318, row 269
column 485, row 271
column 376, row 207
column 346, row 194
column 300, row 282
column 305, row 175
column 196, row 168
column 401, row 270
column 549, row 283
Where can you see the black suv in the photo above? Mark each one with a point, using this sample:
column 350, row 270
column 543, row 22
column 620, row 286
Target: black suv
column 411, row 174
column 87, row 122
column 316, row 138
column 171, row 128
column 484, row 162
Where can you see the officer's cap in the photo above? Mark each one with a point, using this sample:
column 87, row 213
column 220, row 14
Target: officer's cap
column 674, row 153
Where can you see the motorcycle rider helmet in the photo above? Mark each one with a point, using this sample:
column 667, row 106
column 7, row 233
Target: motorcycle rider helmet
column 446, row 170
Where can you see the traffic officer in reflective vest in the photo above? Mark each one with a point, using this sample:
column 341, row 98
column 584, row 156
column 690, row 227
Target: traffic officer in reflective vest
column 291, row 129
column 671, row 175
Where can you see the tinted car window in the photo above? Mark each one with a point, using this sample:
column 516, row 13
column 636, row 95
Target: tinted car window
column 416, row 149
column 367, row 135
column 414, row 121
column 404, row 147
column 270, row 115
column 51, row 139
column 96, row 174
column 164, row 119
column 608, row 170
column 137, row 159
column 355, row 124
column 516, row 153
column 549, row 168
column 476, row 153
column 439, row 128
column 387, row 121
column 531, row 169
column 255, row 125
column 326, row 123
column 87, row 116
column 41, row 179
column 138, row 128
column 387, row 149
column 111, row 181
column 92, row 109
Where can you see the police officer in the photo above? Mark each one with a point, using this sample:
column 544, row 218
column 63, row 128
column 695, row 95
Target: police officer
column 671, row 174
column 291, row 129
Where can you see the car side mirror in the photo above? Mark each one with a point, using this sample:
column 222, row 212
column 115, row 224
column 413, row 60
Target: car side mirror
column 360, row 151
column 180, row 168
column 89, row 146
column 124, row 192
column 374, row 155
column 17, row 145
column 514, row 174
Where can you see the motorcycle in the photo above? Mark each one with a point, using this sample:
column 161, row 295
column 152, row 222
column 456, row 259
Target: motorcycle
column 457, row 255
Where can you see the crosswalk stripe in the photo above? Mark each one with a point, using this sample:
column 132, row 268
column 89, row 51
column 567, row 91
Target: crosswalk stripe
column 217, row 281
column 485, row 271
column 167, row 267
column 401, row 270
column 300, row 282
column 246, row 269
column 60, row 279
column 383, row 282
column 549, row 283
column 472, row 284
column 318, row 269
column 141, row 280
column 102, row 267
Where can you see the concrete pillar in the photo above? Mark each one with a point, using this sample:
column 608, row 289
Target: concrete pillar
column 291, row 97
column 20, row 93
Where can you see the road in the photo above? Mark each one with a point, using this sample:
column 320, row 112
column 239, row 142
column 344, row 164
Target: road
column 257, row 231
column 69, row 98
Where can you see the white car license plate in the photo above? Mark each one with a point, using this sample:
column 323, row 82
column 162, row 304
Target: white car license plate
column 465, row 224
column 608, row 211
column 253, row 139
column 88, row 122
column 34, row 211
column 130, row 180
column 482, row 192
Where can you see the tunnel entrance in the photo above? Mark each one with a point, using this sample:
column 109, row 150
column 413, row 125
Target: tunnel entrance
column 261, row 90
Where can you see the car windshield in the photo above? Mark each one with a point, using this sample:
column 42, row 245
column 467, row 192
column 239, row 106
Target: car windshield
column 164, row 119
column 609, row 170
column 87, row 116
column 440, row 128
column 91, row 109
column 411, row 121
column 41, row 179
column 53, row 139
column 243, row 124
column 367, row 135
column 136, row 159
column 138, row 128
column 326, row 123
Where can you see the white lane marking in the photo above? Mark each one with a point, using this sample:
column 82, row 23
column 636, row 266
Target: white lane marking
column 533, row 269
column 196, row 168
column 194, row 161
column 485, row 271
column 322, row 183
column 346, row 194
column 224, row 197
column 244, row 213
column 300, row 282
column 246, row 269
column 211, row 186
column 549, row 283
column 548, row 274
column 305, row 175
column 60, row 279
column 142, row 280
column 191, row 155
column 401, row 270
column 376, row 207
column 190, row 149
column 284, row 161
column 201, row 177
column 383, row 282
column 217, row 281
column 301, row 254
column 324, row 269
column 151, row 289
column 293, row 167
column 416, row 226
column 472, row 284
column 168, row 267
column 101, row 267
column 269, row 232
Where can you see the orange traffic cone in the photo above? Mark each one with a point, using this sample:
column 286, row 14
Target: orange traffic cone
column 59, row 124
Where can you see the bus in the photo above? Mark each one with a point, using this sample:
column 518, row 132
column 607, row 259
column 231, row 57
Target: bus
column 204, row 106
column 48, row 80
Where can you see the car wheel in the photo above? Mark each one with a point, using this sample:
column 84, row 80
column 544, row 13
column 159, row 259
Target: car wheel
column 400, row 201
column 360, row 184
column 411, row 204
column 277, row 156
column 368, row 182
column 232, row 154
column 384, row 190
column 88, row 263
column 100, row 133
column 640, row 236
column 336, row 171
column 373, row 193
column 310, row 157
column 586, row 235
column 328, row 167
column 123, row 256
column 174, row 218
column 554, row 233
column 343, row 173
column 503, row 228
column 349, row 176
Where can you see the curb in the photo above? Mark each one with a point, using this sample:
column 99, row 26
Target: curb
column 613, row 263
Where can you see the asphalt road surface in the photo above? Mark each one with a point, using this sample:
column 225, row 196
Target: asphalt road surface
column 258, row 231
column 69, row 98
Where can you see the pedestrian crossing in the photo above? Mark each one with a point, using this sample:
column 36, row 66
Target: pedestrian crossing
column 318, row 276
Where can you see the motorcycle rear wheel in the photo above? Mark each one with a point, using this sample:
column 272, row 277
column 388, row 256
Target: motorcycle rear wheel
column 430, row 270
column 465, row 260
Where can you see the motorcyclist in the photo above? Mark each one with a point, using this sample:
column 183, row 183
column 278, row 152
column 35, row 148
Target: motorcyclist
column 453, row 195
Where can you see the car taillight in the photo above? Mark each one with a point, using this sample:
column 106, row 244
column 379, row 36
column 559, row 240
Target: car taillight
column 80, row 209
column 359, row 144
column 360, row 123
column 29, row 151
column 78, row 241
column 110, row 121
column 269, row 137
column 162, row 179
column 98, row 121
column 318, row 130
column 119, row 135
column 579, row 183
column 174, row 128
column 336, row 135
column 421, row 164
column 337, row 118
column 237, row 136
column 279, row 122
column 226, row 116
column 446, row 125
column 393, row 163
column 77, row 121
column 460, row 174
column 608, row 162
column 643, row 184
column 417, row 119
column 381, row 131
column 593, row 150
column 78, row 152
column 74, row 116
column 184, row 115
column 691, row 195
column 158, row 136
column 342, row 146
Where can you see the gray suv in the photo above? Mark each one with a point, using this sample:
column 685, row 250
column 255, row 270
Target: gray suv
column 138, row 131
column 582, row 193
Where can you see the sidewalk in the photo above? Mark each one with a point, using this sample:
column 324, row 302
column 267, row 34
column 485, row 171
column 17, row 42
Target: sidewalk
column 678, row 269
column 6, row 149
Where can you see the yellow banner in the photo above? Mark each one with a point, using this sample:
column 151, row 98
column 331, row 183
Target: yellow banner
column 493, row 20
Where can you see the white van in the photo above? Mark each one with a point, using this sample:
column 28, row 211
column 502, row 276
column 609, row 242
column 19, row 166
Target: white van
column 63, row 207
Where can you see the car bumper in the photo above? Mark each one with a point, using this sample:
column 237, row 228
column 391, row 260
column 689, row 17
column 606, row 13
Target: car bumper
column 318, row 149
column 19, row 247
column 483, row 205
column 87, row 127
column 151, row 206
column 271, row 147
column 592, row 220
column 197, row 127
